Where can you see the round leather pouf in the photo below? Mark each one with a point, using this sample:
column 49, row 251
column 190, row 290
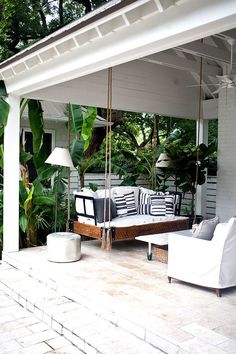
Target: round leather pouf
column 63, row 247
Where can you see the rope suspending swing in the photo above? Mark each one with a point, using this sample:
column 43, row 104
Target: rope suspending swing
column 106, row 232
column 198, row 138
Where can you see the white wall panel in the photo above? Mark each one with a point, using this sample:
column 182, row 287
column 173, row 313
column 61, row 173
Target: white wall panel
column 226, row 187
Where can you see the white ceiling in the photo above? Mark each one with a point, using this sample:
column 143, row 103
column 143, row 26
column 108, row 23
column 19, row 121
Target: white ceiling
column 155, row 53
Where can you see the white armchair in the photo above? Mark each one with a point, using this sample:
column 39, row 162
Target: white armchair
column 207, row 263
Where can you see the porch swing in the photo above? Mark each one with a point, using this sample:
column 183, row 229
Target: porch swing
column 110, row 229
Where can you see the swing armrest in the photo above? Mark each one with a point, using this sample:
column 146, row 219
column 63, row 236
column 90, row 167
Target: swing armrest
column 85, row 207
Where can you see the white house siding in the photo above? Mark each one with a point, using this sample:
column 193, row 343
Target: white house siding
column 226, row 188
column 55, row 126
column 98, row 178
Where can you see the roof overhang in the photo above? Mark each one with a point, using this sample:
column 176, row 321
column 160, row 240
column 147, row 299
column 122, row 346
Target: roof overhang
column 120, row 33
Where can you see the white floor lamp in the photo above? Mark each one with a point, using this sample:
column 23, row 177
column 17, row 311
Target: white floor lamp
column 61, row 158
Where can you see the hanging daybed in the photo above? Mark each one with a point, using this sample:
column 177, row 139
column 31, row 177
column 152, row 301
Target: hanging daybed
column 122, row 213
column 152, row 213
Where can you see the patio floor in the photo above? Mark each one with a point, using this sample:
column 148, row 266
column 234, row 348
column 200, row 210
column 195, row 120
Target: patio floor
column 130, row 302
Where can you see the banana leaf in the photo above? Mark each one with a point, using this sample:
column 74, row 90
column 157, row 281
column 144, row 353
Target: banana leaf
column 44, row 200
column 36, row 123
column 76, row 118
column 4, row 110
column 87, row 127
column 23, row 221
column 77, row 150
column 28, row 200
column 25, row 157
column 22, row 193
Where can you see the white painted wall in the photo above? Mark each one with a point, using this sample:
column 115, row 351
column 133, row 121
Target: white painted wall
column 226, row 187
column 56, row 127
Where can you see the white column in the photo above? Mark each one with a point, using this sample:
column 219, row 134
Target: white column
column 201, row 197
column 226, row 157
column 11, row 177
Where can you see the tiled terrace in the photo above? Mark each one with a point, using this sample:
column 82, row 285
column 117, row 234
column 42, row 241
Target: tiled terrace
column 118, row 302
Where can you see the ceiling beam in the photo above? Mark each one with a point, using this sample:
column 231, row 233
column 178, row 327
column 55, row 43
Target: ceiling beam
column 162, row 5
column 176, row 62
column 206, row 51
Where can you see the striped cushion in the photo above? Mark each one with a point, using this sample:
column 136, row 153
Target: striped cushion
column 125, row 204
column 170, row 204
column 121, row 206
column 144, row 203
column 158, row 205
column 130, row 202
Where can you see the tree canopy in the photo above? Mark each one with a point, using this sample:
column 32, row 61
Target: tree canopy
column 25, row 22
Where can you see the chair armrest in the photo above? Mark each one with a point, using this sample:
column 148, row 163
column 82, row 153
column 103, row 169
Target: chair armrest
column 188, row 257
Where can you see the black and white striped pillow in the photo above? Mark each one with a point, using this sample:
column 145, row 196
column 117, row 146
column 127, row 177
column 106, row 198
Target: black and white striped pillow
column 125, row 204
column 170, row 204
column 158, row 205
column 130, row 202
column 144, row 203
column 121, row 206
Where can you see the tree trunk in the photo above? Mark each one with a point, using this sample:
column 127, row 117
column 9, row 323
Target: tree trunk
column 97, row 139
column 81, row 179
column 61, row 14
column 31, row 234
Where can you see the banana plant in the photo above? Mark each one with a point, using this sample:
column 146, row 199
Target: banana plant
column 81, row 126
column 35, row 204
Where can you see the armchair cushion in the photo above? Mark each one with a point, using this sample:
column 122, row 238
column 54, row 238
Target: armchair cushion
column 206, row 228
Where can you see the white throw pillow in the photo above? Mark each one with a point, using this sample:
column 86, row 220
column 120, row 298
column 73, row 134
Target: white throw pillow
column 206, row 228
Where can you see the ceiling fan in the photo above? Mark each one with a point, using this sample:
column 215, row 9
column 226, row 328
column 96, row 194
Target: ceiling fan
column 228, row 80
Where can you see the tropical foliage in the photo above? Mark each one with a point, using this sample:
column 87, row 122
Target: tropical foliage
column 81, row 126
column 4, row 107
column 189, row 163
column 25, row 22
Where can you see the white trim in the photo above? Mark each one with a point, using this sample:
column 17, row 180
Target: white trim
column 173, row 27
column 47, row 131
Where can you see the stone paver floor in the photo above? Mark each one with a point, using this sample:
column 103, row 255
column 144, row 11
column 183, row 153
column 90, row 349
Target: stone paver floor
column 23, row 333
column 118, row 302
column 35, row 319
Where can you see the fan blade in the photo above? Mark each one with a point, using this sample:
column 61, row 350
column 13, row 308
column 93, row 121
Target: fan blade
column 216, row 91
column 206, row 85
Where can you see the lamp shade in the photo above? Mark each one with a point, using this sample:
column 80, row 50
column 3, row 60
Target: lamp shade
column 60, row 157
column 163, row 161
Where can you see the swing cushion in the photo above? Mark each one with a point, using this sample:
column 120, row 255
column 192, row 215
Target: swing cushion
column 144, row 203
column 148, row 203
column 125, row 204
column 99, row 207
column 158, row 205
